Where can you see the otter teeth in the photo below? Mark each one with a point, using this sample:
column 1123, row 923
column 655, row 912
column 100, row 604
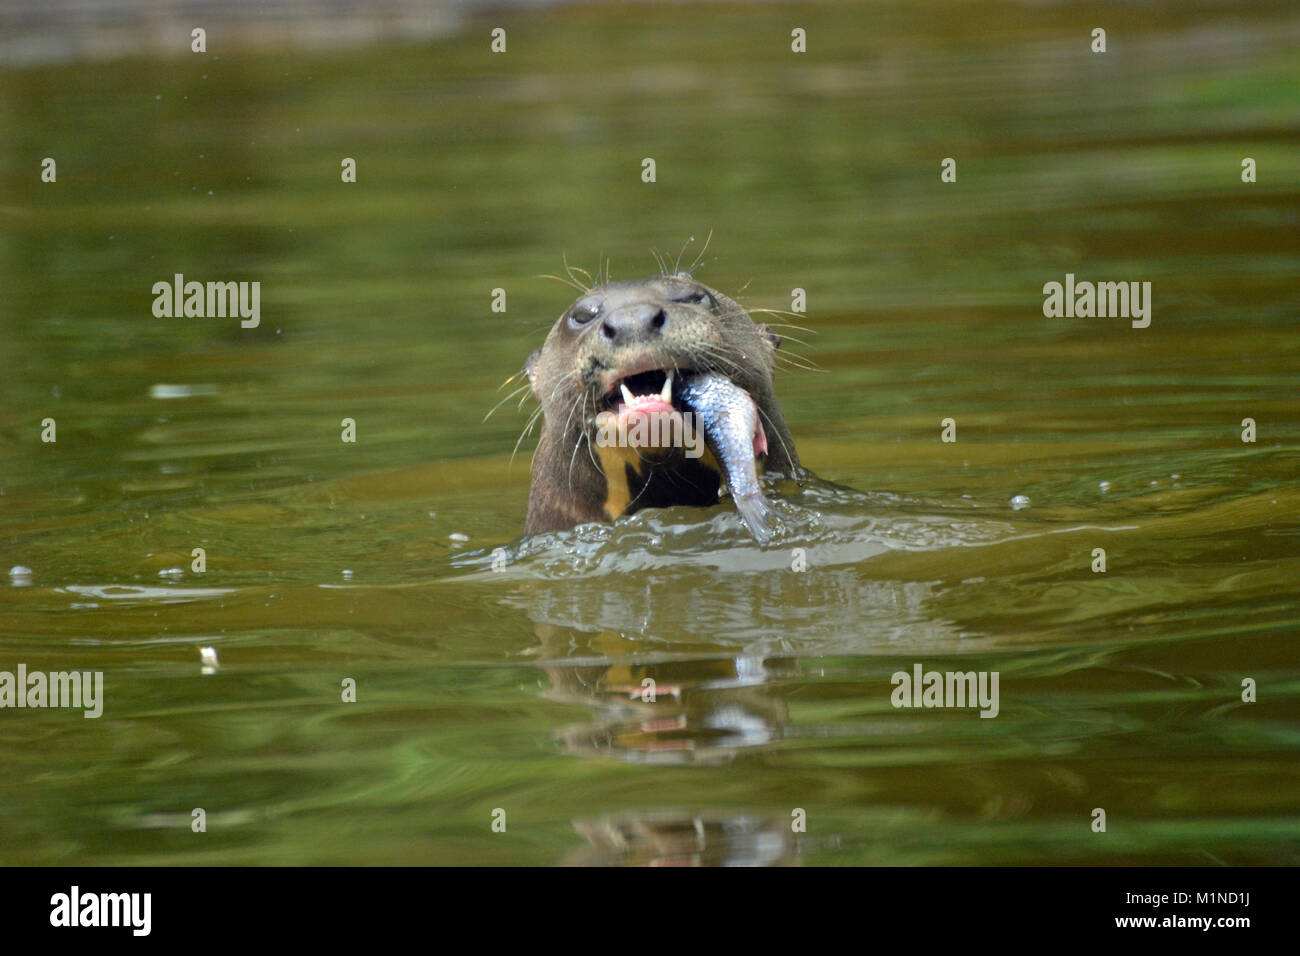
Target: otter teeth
column 664, row 395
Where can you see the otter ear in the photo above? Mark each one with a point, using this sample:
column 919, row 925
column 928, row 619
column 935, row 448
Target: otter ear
column 773, row 339
column 530, row 367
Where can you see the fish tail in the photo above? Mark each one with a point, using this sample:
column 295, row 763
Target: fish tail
column 756, row 512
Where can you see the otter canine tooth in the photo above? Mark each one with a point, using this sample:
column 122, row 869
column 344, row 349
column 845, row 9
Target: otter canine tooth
column 627, row 393
column 666, row 396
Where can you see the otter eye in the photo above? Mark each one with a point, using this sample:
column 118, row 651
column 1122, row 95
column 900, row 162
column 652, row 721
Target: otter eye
column 695, row 297
column 582, row 313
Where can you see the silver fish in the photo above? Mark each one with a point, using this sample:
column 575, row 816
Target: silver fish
column 732, row 430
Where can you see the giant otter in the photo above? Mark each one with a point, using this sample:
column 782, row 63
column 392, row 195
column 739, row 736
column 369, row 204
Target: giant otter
column 625, row 350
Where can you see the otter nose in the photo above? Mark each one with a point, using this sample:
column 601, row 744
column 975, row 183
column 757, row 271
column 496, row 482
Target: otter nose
column 632, row 323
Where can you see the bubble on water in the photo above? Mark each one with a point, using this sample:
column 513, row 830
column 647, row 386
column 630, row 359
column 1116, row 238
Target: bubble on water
column 174, row 573
column 457, row 536
column 20, row 576
column 1019, row 502
column 347, row 574
column 1104, row 485
column 1175, row 477
column 208, row 660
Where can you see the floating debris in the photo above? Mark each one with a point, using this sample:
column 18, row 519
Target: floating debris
column 180, row 391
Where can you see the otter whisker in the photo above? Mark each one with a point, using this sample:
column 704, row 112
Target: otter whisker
column 591, row 454
column 563, row 379
column 677, row 263
column 707, row 240
column 577, row 270
column 565, row 280
column 582, row 436
column 798, row 360
column 787, row 337
column 776, row 431
column 721, row 359
column 532, row 420
column 528, row 427
column 510, row 379
column 782, row 325
column 521, row 388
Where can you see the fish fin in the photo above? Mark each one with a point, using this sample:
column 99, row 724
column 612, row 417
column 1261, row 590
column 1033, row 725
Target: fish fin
column 756, row 512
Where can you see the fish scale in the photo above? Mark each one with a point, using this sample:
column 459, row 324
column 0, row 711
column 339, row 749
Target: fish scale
column 730, row 420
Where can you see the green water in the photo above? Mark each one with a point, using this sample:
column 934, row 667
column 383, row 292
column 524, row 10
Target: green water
column 479, row 689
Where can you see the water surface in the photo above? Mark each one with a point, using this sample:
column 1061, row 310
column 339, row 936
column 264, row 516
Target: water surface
column 520, row 689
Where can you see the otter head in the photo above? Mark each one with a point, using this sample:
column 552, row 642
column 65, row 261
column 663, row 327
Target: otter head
column 608, row 368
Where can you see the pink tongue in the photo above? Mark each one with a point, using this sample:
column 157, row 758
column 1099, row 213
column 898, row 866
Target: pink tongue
column 645, row 403
column 650, row 404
